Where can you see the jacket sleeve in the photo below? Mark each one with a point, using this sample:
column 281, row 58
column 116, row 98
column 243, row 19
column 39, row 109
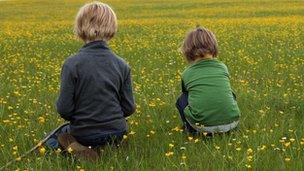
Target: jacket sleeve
column 127, row 100
column 65, row 103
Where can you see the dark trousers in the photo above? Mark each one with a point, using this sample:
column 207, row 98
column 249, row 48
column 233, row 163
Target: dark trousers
column 181, row 104
column 94, row 141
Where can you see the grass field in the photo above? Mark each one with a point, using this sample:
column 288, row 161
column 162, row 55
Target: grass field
column 260, row 41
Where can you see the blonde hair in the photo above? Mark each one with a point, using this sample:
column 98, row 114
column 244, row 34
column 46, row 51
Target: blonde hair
column 95, row 21
column 198, row 43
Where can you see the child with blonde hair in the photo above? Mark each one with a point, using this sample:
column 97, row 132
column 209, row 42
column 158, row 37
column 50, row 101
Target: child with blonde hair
column 207, row 103
column 95, row 92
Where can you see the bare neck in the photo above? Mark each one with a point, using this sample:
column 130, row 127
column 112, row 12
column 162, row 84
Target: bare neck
column 207, row 56
column 89, row 41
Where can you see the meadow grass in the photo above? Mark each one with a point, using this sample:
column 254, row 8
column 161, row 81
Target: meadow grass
column 260, row 41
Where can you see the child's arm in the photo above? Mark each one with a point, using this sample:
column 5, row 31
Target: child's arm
column 127, row 100
column 65, row 103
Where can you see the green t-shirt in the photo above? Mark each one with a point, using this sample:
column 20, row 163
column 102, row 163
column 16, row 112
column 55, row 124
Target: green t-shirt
column 210, row 96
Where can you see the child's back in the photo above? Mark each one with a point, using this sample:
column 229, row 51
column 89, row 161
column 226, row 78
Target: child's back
column 210, row 97
column 207, row 103
column 95, row 90
column 96, row 93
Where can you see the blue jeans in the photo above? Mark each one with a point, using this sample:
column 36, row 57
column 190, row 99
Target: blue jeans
column 181, row 104
column 52, row 142
column 94, row 141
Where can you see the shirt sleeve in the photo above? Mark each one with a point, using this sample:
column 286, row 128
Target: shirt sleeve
column 127, row 100
column 65, row 103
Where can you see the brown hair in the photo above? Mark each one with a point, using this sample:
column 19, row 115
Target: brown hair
column 95, row 21
column 198, row 43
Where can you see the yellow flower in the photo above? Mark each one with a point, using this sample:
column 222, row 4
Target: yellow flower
column 132, row 133
column 249, row 158
column 238, row 149
column 6, row 121
column 177, row 129
column 287, row 159
column 248, row 166
column 41, row 120
column 125, row 137
column 249, row 151
column 152, row 104
column 196, row 140
column 42, row 150
column 183, row 148
column 169, row 153
column 79, row 168
column 287, row 144
column 171, row 145
column 190, row 138
column 183, row 164
column 58, row 151
column 70, row 150
column 18, row 158
column 17, row 93
column 263, row 147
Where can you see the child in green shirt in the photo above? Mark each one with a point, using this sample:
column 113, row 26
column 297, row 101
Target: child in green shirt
column 207, row 103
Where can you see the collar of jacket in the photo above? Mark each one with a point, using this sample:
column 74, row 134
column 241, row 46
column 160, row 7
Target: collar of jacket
column 93, row 46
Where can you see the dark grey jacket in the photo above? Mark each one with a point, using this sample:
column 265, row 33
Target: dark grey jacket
column 95, row 91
